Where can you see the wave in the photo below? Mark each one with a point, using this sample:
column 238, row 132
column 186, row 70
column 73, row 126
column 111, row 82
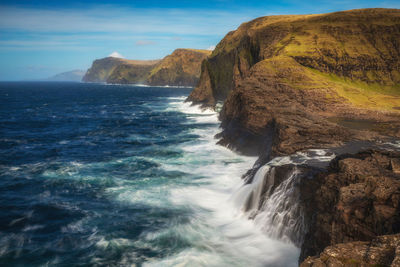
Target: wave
column 217, row 232
column 272, row 200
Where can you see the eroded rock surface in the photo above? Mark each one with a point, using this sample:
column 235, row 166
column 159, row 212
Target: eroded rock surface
column 381, row 251
column 291, row 83
column 358, row 199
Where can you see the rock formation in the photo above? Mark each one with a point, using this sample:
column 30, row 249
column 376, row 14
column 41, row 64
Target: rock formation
column 119, row 70
column 181, row 68
column 306, row 81
column 292, row 83
column 358, row 199
column 381, row 251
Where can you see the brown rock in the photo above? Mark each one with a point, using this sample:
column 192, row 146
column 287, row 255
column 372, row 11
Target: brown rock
column 297, row 82
column 395, row 163
column 381, row 251
column 358, row 199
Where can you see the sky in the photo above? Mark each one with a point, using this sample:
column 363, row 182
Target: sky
column 39, row 39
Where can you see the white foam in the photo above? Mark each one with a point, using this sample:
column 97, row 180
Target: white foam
column 220, row 235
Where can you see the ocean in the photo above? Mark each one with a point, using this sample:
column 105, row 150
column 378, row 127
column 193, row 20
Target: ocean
column 121, row 175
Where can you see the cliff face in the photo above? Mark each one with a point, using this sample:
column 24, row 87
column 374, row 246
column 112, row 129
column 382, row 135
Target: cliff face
column 300, row 77
column 181, row 68
column 118, row 70
column 292, row 83
column 132, row 71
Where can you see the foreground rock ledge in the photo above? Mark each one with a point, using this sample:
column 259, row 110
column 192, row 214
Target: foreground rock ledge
column 382, row 251
column 358, row 199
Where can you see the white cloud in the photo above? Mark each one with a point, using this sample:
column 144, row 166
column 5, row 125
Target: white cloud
column 116, row 55
column 211, row 48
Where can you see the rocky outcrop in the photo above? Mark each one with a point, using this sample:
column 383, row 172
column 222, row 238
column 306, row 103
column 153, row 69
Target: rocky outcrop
column 381, row 251
column 181, row 68
column 291, row 83
column 357, row 199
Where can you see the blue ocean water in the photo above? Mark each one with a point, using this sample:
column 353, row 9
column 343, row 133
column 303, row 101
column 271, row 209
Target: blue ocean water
column 94, row 175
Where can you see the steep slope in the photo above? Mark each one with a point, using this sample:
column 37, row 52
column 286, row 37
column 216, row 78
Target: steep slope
column 132, row 71
column 71, row 76
column 291, row 81
column 129, row 70
column 181, row 68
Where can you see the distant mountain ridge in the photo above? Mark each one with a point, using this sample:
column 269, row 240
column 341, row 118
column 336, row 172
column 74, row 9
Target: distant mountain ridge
column 72, row 76
column 181, row 68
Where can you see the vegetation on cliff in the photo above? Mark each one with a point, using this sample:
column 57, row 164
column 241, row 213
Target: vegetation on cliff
column 181, row 68
column 351, row 54
column 290, row 79
column 117, row 70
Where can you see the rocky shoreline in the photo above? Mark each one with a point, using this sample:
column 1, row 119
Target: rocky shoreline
column 295, row 83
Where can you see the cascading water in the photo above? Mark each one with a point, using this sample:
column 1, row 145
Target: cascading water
column 272, row 198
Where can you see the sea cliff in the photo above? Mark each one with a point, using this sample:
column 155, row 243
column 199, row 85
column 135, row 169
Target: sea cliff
column 289, row 84
column 181, row 68
column 296, row 79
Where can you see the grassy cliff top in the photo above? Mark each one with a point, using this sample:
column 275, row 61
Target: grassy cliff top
column 140, row 62
column 355, row 53
column 186, row 58
column 309, row 23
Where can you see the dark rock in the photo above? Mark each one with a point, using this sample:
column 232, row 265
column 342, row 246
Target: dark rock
column 358, row 199
column 381, row 251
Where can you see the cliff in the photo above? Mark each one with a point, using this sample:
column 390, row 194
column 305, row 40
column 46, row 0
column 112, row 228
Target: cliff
column 181, row 68
column 132, row 71
column 294, row 83
column 305, row 81
column 118, row 70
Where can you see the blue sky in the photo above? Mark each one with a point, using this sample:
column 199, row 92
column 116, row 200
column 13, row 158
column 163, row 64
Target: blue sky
column 41, row 38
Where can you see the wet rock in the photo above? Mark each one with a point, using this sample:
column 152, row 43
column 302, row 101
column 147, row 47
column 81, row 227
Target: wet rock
column 358, row 199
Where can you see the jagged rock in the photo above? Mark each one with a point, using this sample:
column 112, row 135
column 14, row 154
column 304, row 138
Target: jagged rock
column 381, row 251
column 358, row 199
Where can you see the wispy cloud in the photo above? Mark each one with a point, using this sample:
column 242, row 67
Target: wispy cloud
column 144, row 42
column 114, row 19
